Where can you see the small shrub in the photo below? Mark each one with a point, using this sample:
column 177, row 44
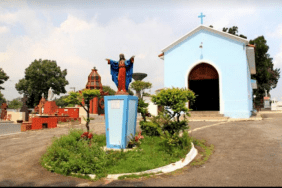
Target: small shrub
column 71, row 153
column 150, row 128
column 172, row 143
column 175, row 126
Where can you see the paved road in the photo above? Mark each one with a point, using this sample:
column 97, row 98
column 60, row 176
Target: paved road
column 9, row 128
column 247, row 153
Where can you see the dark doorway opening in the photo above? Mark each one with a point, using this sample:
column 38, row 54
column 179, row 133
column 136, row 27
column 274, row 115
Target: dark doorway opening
column 207, row 92
column 44, row 125
column 204, row 82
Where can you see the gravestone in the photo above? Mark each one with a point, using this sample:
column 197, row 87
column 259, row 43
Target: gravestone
column 25, row 108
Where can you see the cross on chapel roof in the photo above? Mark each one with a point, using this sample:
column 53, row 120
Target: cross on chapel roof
column 201, row 16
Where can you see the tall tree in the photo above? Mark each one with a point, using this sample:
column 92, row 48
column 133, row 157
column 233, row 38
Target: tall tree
column 233, row 30
column 266, row 76
column 61, row 101
column 109, row 89
column 3, row 77
column 140, row 86
column 39, row 77
column 2, row 99
column 15, row 104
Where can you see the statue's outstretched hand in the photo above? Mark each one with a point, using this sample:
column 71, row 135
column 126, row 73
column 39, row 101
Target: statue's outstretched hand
column 108, row 60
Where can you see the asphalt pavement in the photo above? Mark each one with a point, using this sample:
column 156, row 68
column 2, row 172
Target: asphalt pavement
column 9, row 128
column 247, row 153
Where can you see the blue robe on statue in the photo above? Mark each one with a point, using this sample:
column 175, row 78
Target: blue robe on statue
column 129, row 72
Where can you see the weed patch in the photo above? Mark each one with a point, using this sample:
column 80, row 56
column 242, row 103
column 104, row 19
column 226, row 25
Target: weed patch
column 204, row 150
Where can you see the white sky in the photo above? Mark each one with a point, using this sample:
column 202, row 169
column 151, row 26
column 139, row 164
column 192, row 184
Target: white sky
column 81, row 34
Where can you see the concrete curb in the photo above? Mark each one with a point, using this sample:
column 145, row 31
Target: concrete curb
column 165, row 169
column 270, row 112
column 259, row 118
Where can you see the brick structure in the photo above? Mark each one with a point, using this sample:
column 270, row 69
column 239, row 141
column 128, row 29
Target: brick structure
column 50, row 107
column 4, row 107
column 52, row 115
column 94, row 82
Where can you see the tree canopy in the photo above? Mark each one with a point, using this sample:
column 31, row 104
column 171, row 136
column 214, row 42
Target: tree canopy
column 139, row 86
column 267, row 77
column 109, row 89
column 83, row 99
column 61, row 101
column 39, row 77
column 15, row 104
column 2, row 99
column 174, row 99
column 3, row 77
column 233, row 30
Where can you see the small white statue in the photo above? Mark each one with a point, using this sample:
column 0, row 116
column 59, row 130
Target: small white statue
column 50, row 94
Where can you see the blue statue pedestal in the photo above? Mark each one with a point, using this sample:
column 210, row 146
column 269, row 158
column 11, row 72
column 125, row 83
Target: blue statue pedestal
column 120, row 116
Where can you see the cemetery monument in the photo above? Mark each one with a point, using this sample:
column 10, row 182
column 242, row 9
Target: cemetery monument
column 120, row 109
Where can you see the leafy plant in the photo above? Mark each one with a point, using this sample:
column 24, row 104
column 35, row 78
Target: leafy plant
column 174, row 100
column 142, row 108
column 135, row 141
column 83, row 99
column 150, row 128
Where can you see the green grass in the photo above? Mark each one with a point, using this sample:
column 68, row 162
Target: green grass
column 152, row 155
column 69, row 154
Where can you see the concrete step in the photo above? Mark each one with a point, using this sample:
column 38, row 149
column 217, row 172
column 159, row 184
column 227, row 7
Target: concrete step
column 207, row 115
column 211, row 114
column 204, row 112
column 208, row 119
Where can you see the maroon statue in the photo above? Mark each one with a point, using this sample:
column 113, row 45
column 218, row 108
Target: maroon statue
column 121, row 72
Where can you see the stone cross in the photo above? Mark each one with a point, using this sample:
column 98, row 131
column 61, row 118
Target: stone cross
column 24, row 99
column 201, row 16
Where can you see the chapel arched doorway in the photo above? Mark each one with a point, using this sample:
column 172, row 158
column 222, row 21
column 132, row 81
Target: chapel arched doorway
column 203, row 80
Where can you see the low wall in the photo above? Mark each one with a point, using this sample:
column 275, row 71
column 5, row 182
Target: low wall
column 276, row 106
column 82, row 113
column 16, row 116
column 152, row 108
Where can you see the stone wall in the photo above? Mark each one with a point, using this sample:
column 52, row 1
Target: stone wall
column 16, row 116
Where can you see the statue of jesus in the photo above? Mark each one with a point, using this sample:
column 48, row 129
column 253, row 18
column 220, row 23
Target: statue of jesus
column 121, row 72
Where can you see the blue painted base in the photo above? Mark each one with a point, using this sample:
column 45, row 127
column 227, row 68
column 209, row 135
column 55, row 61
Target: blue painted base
column 120, row 116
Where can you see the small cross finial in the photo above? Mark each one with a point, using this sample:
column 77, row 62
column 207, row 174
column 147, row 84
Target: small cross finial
column 201, row 16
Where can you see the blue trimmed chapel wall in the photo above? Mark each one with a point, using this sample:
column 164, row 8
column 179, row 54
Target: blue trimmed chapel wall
column 229, row 59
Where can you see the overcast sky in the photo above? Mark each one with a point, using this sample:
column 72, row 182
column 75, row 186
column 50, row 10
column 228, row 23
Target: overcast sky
column 79, row 35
